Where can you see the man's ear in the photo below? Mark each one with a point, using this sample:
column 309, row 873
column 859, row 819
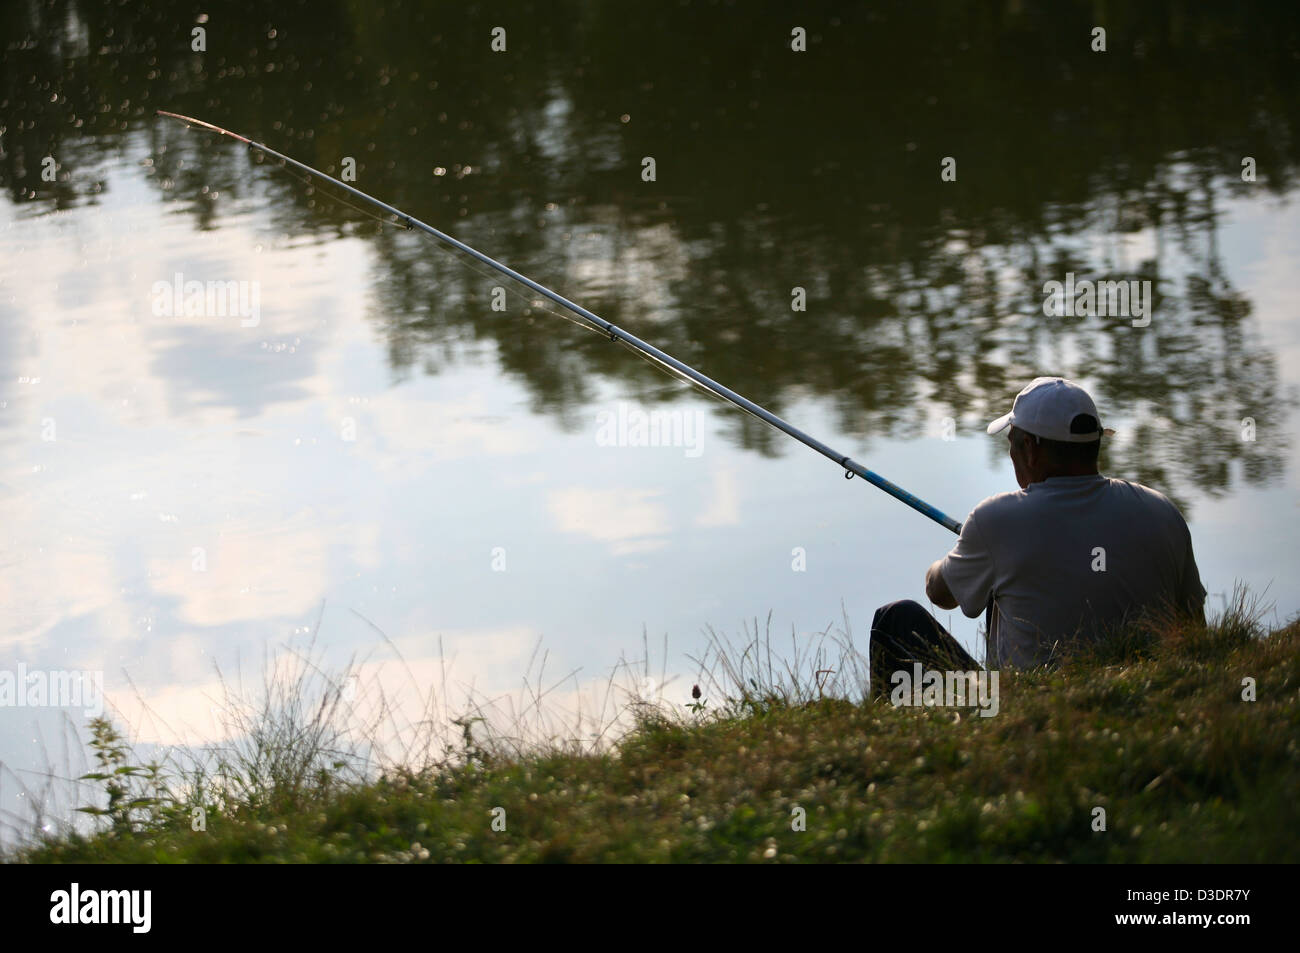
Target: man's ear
column 1031, row 450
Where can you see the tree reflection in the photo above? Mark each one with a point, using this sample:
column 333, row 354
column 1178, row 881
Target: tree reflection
column 776, row 170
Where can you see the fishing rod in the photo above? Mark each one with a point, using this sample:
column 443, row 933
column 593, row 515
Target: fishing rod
column 851, row 467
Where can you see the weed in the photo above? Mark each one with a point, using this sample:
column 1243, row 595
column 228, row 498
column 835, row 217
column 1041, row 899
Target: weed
column 1153, row 728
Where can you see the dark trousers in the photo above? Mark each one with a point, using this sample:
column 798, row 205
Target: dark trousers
column 903, row 633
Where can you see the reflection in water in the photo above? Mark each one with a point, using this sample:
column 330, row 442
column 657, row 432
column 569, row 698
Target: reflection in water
column 212, row 491
column 776, row 170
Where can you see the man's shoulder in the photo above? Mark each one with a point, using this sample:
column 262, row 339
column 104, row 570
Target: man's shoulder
column 1146, row 495
column 1107, row 492
column 992, row 506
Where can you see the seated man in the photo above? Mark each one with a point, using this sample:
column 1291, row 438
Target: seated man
column 1070, row 556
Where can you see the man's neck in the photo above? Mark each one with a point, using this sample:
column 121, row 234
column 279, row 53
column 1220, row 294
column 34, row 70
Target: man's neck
column 1076, row 472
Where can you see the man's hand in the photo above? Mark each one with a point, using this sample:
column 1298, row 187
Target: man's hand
column 936, row 589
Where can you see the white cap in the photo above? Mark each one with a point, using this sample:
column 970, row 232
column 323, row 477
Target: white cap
column 1047, row 407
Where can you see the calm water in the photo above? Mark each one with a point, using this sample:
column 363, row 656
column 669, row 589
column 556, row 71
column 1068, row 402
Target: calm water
column 378, row 449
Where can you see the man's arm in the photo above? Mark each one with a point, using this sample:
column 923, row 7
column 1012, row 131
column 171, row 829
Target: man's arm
column 936, row 588
column 1193, row 592
column 966, row 578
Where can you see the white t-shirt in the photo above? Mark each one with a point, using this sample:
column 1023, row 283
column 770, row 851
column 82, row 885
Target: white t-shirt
column 1067, row 557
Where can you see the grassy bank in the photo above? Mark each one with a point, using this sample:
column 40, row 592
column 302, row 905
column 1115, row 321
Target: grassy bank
column 1152, row 729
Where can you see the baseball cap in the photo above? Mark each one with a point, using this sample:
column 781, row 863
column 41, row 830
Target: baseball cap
column 1047, row 408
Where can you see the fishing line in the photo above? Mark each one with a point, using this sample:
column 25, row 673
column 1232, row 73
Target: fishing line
column 614, row 333
column 532, row 304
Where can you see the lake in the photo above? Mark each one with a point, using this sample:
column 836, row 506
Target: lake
column 374, row 456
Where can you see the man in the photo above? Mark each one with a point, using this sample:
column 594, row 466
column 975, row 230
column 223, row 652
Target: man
column 1072, row 555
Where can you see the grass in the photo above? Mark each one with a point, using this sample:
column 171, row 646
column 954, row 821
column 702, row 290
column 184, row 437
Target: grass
column 782, row 760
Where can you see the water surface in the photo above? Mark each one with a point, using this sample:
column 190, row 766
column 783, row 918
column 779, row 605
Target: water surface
column 384, row 452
